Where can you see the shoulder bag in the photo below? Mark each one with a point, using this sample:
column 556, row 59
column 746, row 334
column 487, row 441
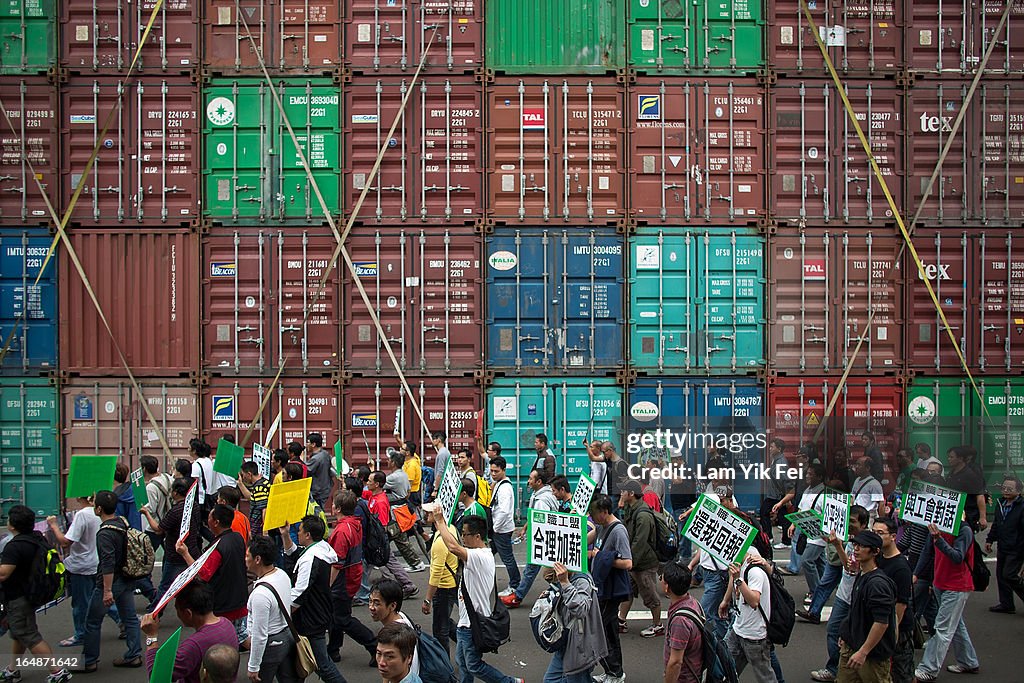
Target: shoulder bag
column 489, row 633
column 305, row 662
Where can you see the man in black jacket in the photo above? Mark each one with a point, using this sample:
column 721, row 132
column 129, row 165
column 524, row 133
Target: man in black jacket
column 868, row 635
column 1007, row 534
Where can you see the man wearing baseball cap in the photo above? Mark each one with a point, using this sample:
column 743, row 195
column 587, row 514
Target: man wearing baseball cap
column 868, row 635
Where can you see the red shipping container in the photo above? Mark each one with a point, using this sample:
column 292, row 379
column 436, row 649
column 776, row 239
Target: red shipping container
column 146, row 283
column 947, row 258
column 862, row 39
column 999, row 132
column 426, row 290
column 147, row 168
column 103, row 37
column 433, row 168
column 950, row 38
column 305, row 405
column 257, row 285
column 302, row 36
column 697, row 151
column 106, row 417
column 392, row 36
column 823, row 286
column 556, row 150
column 999, row 277
column 932, row 107
column 31, row 104
column 370, row 407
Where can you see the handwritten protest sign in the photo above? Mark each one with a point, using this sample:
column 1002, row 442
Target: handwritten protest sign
column 229, row 458
column 139, row 488
column 448, row 492
column 183, row 579
column 835, row 514
column 186, row 514
column 287, row 503
column 580, row 501
column 808, row 522
column 163, row 663
column 718, row 531
column 931, row 504
column 261, row 455
column 556, row 537
column 89, row 474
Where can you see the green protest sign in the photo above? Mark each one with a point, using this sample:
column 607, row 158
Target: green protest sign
column 163, row 663
column 89, row 474
column 229, row 458
column 340, row 466
column 139, row 488
column 719, row 531
column 808, row 522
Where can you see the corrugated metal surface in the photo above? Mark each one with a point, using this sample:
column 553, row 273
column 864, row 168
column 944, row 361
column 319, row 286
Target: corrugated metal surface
column 103, row 37
column 946, row 38
column 370, row 406
column 252, row 170
column 147, row 170
column 554, row 300
column 147, row 284
column 29, row 445
column 33, row 347
column 299, row 36
column 305, row 405
column 1000, row 281
column 939, row 412
column 433, row 170
column 696, row 301
column 393, row 35
column 557, row 150
column 32, row 105
column 1000, row 132
column 554, row 36
column 822, row 288
column 106, row 417
column 256, row 286
column 697, row 151
column 426, row 288
column 1000, row 436
column 28, row 36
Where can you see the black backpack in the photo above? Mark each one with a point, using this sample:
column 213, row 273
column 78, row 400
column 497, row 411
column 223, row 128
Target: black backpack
column 780, row 625
column 46, row 577
column 717, row 665
column 376, row 544
column 980, row 574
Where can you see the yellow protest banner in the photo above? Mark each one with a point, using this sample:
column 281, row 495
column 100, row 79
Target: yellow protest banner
column 287, row 503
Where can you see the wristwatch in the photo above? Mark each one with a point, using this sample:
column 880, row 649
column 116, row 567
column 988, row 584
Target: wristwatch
column 151, row 641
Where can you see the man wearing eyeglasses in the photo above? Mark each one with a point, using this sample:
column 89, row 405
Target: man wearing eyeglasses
column 1007, row 534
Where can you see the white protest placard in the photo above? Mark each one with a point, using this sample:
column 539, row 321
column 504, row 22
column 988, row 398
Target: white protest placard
column 556, row 537
column 718, row 531
column 930, row 504
column 261, row 455
column 580, row 501
column 274, row 426
column 186, row 514
column 835, row 514
column 448, row 492
column 808, row 522
column 191, row 572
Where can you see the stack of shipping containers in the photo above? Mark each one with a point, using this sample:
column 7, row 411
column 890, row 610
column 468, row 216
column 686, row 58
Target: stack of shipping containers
column 592, row 219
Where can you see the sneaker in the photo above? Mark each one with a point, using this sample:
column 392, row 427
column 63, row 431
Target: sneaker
column 961, row 669
column 782, row 546
column 616, row 679
column 623, row 627
column 808, row 599
column 823, row 675
column 511, row 601
column 8, row 675
column 508, row 591
column 924, row 677
column 418, row 568
column 809, row 618
column 599, row 678
column 62, row 676
column 653, row 630
column 412, row 592
column 785, row 570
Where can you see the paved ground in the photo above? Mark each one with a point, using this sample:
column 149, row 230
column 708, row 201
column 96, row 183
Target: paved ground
column 994, row 636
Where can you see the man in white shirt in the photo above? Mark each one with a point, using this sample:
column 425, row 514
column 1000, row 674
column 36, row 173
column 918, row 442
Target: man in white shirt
column 478, row 583
column 542, row 498
column 749, row 595
column 812, row 560
column 503, row 510
column 867, row 490
column 598, row 467
column 271, row 642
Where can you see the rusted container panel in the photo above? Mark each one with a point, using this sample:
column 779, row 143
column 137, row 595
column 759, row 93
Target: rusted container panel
column 823, row 286
column 305, row 405
column 257, row 285
column 426, row 288
column 103, row 37
column 947, row 258
column 433, row 168
column 801, row 172
column 32, row 105
column 145, row 283
column 864, row 37
column 147, row 168
column 106, row 417
column 697, row 151
column 556, row 150
column 300, row 36
column 371, row 405
column 382, row 37
column 932, row 107
column 949, row 38
column 999, row 131
column 1000, row 302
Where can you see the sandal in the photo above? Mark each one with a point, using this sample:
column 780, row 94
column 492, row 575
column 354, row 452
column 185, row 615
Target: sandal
column 70, row 642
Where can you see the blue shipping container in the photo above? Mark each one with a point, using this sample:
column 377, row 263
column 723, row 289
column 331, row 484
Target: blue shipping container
column 33, row 348
column 691, row 407
column 555, row 300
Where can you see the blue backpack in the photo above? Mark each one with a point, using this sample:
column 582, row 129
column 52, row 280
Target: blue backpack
column 716, row 661
column 426, row 482
column 435, row 664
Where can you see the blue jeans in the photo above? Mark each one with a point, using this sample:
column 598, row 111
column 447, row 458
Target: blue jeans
column 794, row 556
column 171, row 572
column 950, row 630
column 554, row 673
column 80, row 588
column 325, row 668
column 503, row 544
column 777, row 667
column 840, row 610
column 471, row 665
column 812, row 563
column 124, row 599
column 714, row 590
column 364, row 586
column 826, row 584
column 529, row 576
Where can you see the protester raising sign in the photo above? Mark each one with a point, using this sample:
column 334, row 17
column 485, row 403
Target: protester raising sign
column 580, row 501
column 448, row 492
column 556, row 537
column 718, row 531
column 139, row 488
column 930, row 504
column 182, row 580
column 835, row 514
column 261, row 455
column 808, row 522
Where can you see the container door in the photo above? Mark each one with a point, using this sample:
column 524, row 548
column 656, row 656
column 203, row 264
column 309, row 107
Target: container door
column 868, row 38
column 586, row 411
column 176, row 410
column 735, row 410
column 661, row 35
column 27, row 37
column 586, row 308
column 662, row 326
column 33, row 346
column 97, row 419
column 876, row 406
column 106, row 189
column 1000, row 436
column 591, row 149
column 32, row 105
column 791, row 44
column 1008, row 56
column 375, row 36
column 165, row 153
column 458, row 43
column 298, row 264
column 521, row 151
column 1001, row 137
column 801, row 185
column 237, row 138
column 29, row 443
column 308, row 35
column 228, row 27
column 663, row 153
column 313, row 110
column 235, row 303
column 730, row 35
column 516, row 413
column 939, row 413
column 945, row 258
column 931, row 110
column 939, row 38
column 879, row 111
column 1000, row 278
column 801, row 334
column 518, row 295
column 371, row 109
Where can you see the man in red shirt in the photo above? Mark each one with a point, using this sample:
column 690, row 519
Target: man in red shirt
column 379, row 505
column 347, row 541
column 229, row 495
column 295, row 450
column 684, row 649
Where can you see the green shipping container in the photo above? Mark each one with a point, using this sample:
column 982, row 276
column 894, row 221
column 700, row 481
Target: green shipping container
column 706, row 37
column 939, row 413
column 696, row 301
column 252, row 170
column 556, row 36
column 569, row 412
column 1000, row 432
column 28, row 42
column 29, row 445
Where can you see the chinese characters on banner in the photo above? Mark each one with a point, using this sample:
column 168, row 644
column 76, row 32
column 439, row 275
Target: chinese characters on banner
column 835, row 514
column 262, row 456
column 719, row 532
column 808, row 522
column 182, row 580
column 186, row 514
column 930, row 504
column 580, row 501
column 556, row 537
column 448, row 492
